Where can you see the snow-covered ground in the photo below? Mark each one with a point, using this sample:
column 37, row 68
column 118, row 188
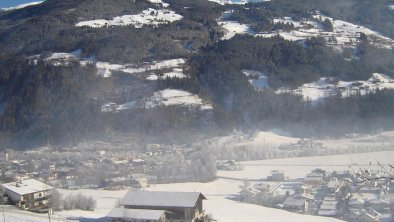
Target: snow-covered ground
column 147, row 17
column 169, row 97
column 326, row 87
column 13, row 214
column 22, row 6
column 345, row 34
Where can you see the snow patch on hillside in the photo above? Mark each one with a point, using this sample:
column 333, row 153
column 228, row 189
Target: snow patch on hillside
column 173, row 68
column 175, row 73
column 105, row 69
column 345, row 34
column 147, row 17
column 256, row 79
column 169, row 97
column 391, row 7
column 159, row 2
column 326, row 87
column 232, row 28
column 21, row 6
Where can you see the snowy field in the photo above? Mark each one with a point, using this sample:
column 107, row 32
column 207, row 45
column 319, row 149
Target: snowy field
column 298, row 167
column 21, row 6
column 220, row 191
column 326, row 87
column 147, row 17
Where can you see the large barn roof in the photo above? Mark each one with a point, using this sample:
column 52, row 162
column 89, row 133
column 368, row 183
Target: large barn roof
column 161, row 199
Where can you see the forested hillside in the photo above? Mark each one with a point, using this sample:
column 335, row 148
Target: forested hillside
column 179, row 79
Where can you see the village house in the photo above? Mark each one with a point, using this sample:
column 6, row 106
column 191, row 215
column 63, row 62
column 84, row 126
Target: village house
column 182, row 206
column 296, row 204
column 28, row 194
column 276, row 175
column 314, row 179
column 330, row 207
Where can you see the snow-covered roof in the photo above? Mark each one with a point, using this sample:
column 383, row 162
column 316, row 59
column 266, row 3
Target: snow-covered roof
column 26, row 186
column 161, row 199
column 250, row 190
column 136, row 214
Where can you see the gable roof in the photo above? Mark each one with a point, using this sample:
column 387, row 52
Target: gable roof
column 136, row 214
column 26, row 186
column 161, row 199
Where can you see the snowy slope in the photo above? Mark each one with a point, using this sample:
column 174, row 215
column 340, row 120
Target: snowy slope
column 147, row 17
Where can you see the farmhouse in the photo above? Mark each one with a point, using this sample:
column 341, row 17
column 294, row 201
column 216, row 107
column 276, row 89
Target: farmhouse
column 181, row 206
column 28, row 194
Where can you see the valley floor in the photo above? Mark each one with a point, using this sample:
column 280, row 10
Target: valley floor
column 221, row 191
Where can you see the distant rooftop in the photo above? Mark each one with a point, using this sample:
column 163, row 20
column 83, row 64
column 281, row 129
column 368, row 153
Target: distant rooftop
column 162, row 199
column 26, row 186
column 136, row 214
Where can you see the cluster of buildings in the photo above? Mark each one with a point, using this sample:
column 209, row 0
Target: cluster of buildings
column 77, row 168
column 344, row 195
